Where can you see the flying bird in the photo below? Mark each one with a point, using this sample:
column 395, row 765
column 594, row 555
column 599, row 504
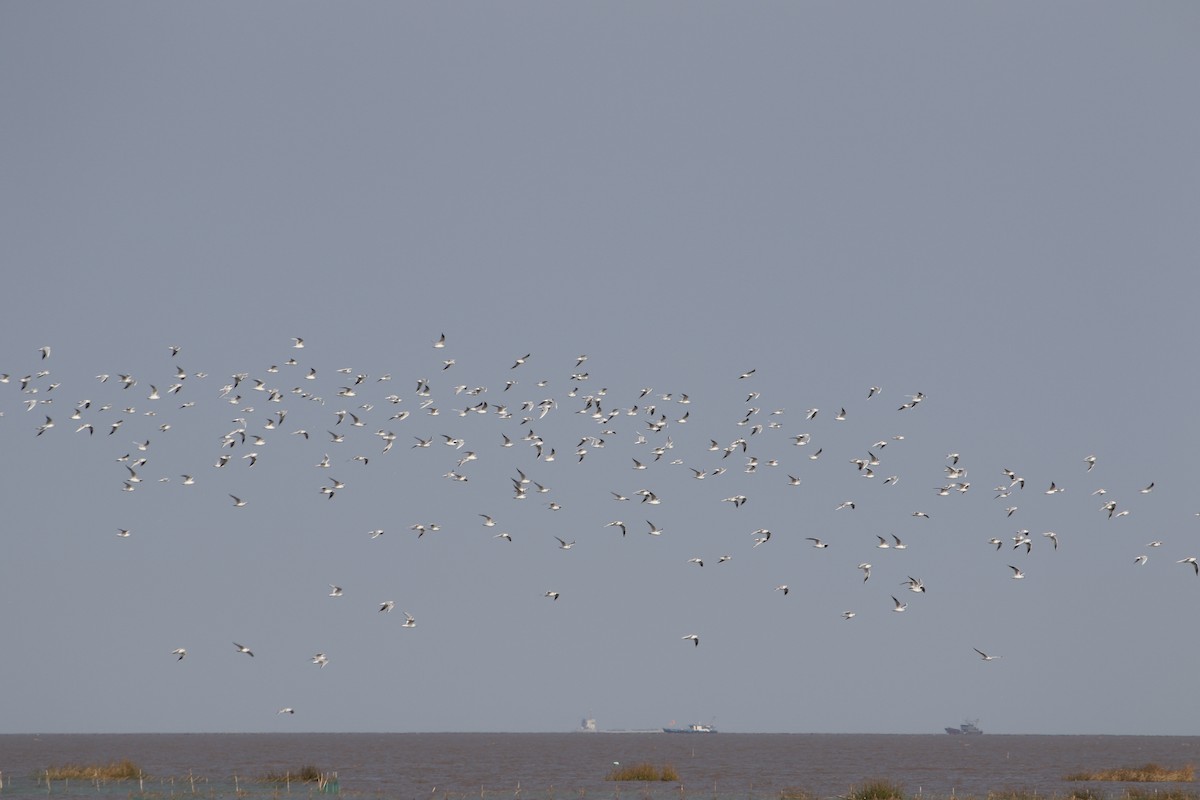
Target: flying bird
column 694, row 638
column 243, row 649
column 984, row 655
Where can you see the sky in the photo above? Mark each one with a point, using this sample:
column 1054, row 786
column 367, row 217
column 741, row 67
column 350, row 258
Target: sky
column 767, row 227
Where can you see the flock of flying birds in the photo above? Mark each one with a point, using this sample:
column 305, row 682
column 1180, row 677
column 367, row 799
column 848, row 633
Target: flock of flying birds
column 266, row 404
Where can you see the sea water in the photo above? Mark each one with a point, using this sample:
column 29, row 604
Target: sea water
column 574, row 766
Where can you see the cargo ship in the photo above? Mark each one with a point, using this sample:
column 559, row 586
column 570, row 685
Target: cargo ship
column 968, row 728
column 695, row 727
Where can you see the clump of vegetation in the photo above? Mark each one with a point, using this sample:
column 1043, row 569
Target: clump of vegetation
column 1160, row 794
column 112, row 771
column 644, row 771
column 796, row 793
column 879, row 789
column 1147, row 773
column 305, row 774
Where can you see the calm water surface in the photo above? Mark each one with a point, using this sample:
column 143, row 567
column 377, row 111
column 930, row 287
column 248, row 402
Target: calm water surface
column 569, row 766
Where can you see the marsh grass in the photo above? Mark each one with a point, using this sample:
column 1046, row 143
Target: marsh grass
column 1147, row 773
column 796, row 793
column 878, row 789
column 305, row 774
column 645, row 771
column 1160, row 794
column 113, row 771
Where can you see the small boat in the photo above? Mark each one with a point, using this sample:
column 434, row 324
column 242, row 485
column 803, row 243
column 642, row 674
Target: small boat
column 968, row 728
column 695, row 727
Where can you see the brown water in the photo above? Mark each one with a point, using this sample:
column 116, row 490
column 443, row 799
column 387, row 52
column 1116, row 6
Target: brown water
column 573, row 766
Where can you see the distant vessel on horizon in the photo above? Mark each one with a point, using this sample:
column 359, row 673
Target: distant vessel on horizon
column 968, row 728
column 695, row 727
column 588, row 725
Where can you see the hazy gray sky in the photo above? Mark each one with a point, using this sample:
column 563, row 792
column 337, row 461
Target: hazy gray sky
column 991, row 204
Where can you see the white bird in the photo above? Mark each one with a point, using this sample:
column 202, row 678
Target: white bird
column 335, row 591
column 502, row 535
column 243, row 649
column 817, row 543
column 914, row 584
column 899, row 606
column 984, row 655
column 654, row 529
column 1017, row 574
column 409, row 621
column 320, row 659
column 565, row 545
column 1141, row 559
column 387, row 605
column 848, row 615
column 694, row 638
column 286, row 711
column 297, row 342
column 237, row 501
column 696, row 561
column 782, row 588
column 552, row 595
column 180, row 653
column 866, row 568
column 1190, row 560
